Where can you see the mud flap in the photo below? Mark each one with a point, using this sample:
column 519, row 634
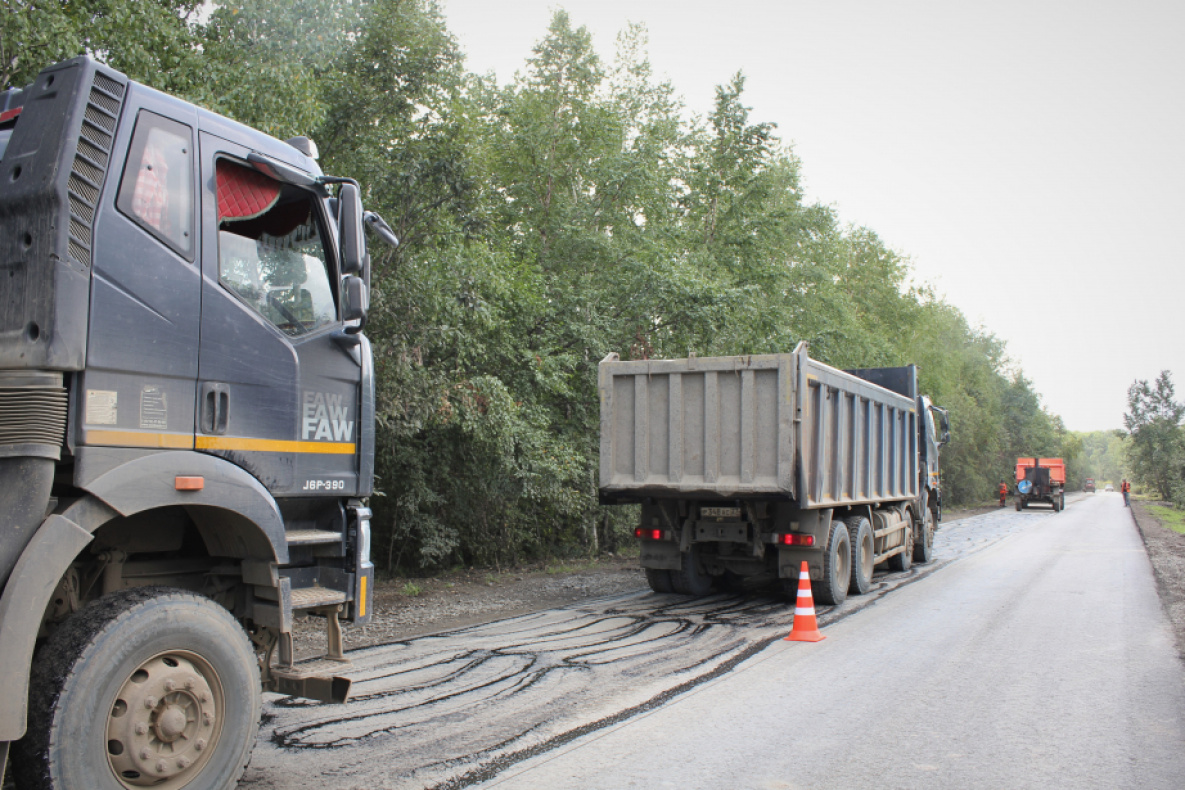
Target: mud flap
column 790, row 559
column 661, row 555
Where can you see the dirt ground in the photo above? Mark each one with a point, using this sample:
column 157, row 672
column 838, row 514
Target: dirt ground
column 404, row 608
column 1166, row 551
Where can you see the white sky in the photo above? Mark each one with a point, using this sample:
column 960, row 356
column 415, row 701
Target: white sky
column 1028, row 156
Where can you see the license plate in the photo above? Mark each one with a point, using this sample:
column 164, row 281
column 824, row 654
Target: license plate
column 719, row 512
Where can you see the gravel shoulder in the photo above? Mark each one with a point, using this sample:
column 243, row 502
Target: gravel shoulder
column 409, row 607
column 1166, row 552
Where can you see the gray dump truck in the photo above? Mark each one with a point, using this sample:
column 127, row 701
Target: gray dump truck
column 745, row 466
column 186, row 430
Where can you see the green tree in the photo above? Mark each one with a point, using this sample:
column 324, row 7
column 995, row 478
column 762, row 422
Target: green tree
column 152, row 41
column 1156, row 454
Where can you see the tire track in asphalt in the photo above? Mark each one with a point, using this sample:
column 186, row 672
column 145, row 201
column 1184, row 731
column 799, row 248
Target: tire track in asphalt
column 449, row 710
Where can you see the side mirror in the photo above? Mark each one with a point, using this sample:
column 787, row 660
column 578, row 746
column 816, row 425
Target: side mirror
column 353, row 242
column 355, row 302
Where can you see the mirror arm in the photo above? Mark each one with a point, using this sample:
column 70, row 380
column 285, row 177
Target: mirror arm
column 355, row 329
column 380, row 227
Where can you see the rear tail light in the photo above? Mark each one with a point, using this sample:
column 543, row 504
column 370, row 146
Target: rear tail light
column 649, row 534
column 791, row 539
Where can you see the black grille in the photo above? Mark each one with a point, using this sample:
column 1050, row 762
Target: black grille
column 90, row 162
column 33, row 415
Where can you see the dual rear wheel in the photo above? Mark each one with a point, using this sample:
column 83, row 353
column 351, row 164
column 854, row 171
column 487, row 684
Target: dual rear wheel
column 689, row 579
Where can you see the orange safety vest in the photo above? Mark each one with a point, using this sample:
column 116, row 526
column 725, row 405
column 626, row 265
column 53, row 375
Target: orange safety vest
column 1125, row 486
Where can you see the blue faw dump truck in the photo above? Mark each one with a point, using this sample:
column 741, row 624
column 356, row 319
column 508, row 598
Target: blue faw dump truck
column 186, row 430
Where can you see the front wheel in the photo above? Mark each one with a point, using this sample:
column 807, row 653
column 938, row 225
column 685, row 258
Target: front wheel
column 147, row 687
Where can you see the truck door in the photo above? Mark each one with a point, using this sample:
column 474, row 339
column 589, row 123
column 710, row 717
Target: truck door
column 142, row 338
column 930, row 444
column 278, row 378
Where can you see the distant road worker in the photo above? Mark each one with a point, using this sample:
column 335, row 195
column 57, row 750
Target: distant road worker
column 1003, row 492
column 1125, row 487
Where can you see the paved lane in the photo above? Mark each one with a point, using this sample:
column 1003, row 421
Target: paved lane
column 461, row 707
column 1043, row 660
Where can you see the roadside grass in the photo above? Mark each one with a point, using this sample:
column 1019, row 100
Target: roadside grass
column 411, row 589
column 572, row 567
column 1168, row 517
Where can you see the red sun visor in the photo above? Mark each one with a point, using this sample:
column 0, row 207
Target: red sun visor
column 244, row 193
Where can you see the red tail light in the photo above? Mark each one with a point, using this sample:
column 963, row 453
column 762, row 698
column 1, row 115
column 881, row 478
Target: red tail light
column 649, row 534
column 796, row 540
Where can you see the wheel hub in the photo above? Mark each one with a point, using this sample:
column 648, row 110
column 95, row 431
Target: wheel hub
column 163, row 722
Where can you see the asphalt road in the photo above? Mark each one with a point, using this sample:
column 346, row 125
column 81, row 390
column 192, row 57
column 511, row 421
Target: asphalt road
column 1032, row 653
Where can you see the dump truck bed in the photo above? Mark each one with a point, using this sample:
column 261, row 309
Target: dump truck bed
column 770, row 426
column 1056, row 467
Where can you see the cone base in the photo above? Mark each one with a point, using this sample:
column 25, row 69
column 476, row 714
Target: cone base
column 804, row 636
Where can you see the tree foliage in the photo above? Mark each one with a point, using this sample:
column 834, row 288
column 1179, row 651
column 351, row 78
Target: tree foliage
column 574, row 212
column 1156, row 454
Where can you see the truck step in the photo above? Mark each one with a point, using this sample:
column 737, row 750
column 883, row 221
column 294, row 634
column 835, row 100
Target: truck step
column 310, row 537
column 313, row 597
column 314, row 679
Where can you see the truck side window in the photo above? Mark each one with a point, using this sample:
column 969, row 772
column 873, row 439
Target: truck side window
column 157, row 186
column 270, row 250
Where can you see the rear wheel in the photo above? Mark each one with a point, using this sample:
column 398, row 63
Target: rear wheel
column 837, row 565
column 863, row 554
column 904, row 560
column 147, row 687
column 923, row 549
column 691, row 579
column 730, row 582
column 659, row 580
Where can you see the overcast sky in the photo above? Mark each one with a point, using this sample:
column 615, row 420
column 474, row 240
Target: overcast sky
column 1027, row 156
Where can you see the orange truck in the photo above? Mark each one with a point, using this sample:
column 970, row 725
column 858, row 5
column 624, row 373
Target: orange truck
column 1041, row 480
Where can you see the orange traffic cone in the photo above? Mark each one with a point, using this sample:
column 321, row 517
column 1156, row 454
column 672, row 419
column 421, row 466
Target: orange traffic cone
column 805, row 628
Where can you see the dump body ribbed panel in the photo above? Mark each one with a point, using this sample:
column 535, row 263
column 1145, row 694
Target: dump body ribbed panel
column 777, row 425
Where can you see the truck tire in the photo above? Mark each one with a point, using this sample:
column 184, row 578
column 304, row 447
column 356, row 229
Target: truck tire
column 863, row 554
column 691, row 579
column 150, row 686
column 837, row 566
column 923, row 549
column 904, row 561
column 659, row 580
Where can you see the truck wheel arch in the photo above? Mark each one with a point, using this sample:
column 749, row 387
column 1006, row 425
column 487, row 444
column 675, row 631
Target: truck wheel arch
column 234, row 513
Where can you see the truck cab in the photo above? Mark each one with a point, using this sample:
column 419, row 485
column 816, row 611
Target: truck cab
column 186, row 427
